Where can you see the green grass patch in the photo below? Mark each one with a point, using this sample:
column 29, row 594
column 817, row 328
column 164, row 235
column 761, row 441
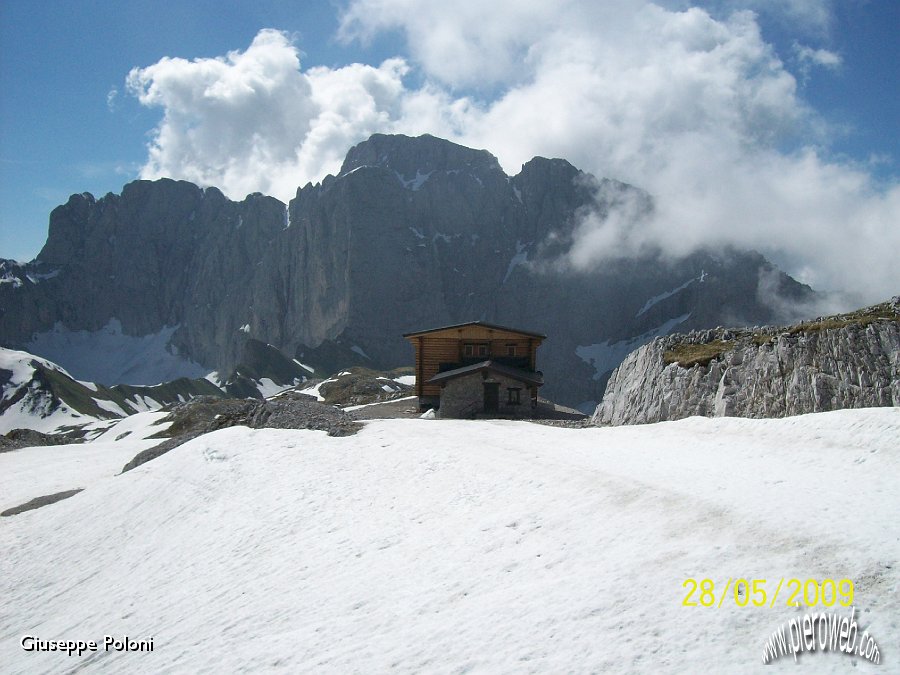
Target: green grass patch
column 688, row 355
column 862, row 317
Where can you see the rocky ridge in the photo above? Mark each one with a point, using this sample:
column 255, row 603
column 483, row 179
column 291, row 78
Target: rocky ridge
column 290, row 410
column 844, row 361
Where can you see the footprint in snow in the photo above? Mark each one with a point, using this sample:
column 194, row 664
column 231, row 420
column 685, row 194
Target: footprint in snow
column 213, row 455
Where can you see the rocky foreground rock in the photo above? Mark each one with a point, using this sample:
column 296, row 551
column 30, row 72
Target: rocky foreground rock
column 844, row 361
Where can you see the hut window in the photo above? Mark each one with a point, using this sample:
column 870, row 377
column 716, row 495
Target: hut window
column 470, row 349
column 514, row 398
column 510, row 350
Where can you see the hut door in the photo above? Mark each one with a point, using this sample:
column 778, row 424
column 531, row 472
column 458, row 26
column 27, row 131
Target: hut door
column 491, row 397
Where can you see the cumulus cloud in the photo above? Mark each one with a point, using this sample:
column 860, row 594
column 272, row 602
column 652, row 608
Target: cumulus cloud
column 466, row 44
column 694, row 107
column 253, row 121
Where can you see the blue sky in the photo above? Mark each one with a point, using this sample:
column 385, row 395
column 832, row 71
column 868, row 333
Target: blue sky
column 799, row 96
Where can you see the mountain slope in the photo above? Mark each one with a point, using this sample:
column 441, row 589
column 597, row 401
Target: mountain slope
column 39, row 395
column 413, row 233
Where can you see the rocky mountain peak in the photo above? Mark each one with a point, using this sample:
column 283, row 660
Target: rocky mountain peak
column 542, row 167
column 409, row 156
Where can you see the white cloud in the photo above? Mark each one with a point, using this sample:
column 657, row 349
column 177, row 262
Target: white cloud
column 694, row 109
column 811, row 18
column 817, row 57
column 253, row 121
column 460, row 44
column 807, row 58
column 815, row 16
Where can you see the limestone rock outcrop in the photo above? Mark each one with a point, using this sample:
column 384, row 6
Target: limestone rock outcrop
column 846, row 361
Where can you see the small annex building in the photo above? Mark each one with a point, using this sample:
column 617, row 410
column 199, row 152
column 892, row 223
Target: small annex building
column 477, row 369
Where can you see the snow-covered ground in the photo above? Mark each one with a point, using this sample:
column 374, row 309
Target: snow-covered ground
column 35, row 472
column 456, row 546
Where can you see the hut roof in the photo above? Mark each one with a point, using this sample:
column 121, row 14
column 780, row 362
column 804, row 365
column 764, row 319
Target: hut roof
column 475, row 323
column 527, row 377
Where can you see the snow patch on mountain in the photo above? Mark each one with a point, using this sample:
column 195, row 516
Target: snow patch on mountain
column 662, row 296
column 605, row 357
column 267, row 387
column 415, row 182
column 10, row 278
column 109, row 356
column 144, row 403
column 110, row 406
column 314, row 389
column 359, row 350
column 520, row 258
column 36, row 278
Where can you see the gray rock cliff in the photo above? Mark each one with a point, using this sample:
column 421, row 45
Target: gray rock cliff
column 847, row 361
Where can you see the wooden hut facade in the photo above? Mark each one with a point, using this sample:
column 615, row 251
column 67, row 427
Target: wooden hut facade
column 477, row 368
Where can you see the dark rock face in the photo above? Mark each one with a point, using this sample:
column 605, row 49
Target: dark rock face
column 164, row 253
column 413, row 233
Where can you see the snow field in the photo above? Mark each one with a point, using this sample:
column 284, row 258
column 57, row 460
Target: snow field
column 451, row 546
column 35, row 472
column 110, row 355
